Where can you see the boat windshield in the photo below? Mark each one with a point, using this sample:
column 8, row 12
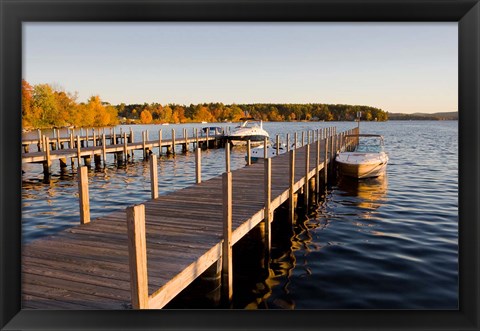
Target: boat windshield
column 369, row 149
column 369, row 145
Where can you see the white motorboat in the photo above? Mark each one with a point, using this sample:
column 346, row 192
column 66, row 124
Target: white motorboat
column 367, row 160
column 249, row 130
column 259, row 152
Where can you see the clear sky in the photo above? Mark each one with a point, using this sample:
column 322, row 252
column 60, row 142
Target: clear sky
column 399, row 67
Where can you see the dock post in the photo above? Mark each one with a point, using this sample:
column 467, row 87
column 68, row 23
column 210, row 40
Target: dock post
column 325, row 167
column 104, row 149
column 48, row 162
column 94, row 138
column 173, row 141
column 79, row 163
column 278, row 144
column 137, row 256
column 71, row 141
column 196, row 138
column 295, row 142
column 268, row 211
column 58, row 138
column 83, row 195
column 208, row 133
column 307, row 170
column 125, row 149
column 144, row 145
column 265, row 149
column 130, row 139
column 317, row 168
column 114, row 137
column 185, row 146
column 154, row 176
column 249, row 152
column 40, row 140
column 63, row 165
column 291, row 201
column 288, row 142
column 159, row 142
column 303, row 138
column 227, row 158
column 227, row 266
column 198, row 165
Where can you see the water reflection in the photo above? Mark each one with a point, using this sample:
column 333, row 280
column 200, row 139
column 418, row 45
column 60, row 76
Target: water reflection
column 369, row 193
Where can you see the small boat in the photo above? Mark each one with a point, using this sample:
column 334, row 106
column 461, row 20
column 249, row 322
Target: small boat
column 249, row 130
column 367, row 160
column 259, row 152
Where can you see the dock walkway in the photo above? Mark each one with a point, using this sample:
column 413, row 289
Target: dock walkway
column 88, row 266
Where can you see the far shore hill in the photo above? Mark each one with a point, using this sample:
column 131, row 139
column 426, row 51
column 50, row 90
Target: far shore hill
column 448, row 116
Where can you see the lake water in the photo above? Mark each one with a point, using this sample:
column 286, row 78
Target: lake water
column 389, row 242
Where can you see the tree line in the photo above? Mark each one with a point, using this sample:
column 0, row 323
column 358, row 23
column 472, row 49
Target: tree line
column 219, row 112
column 44, row 106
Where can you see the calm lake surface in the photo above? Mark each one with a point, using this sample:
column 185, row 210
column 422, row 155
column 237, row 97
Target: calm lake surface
column 384, row 243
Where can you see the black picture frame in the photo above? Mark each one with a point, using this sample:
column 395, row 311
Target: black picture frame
column 465, row 12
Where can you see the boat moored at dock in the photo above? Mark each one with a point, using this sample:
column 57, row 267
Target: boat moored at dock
column 249, row 130
column 367, row 160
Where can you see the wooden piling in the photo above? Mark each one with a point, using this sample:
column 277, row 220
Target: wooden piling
column 104, row 149
column 47, row 151
column 227, row 158
column 114, row 137
column 278, row 144
column 58, row 138
column 268, row 209
column 198, row 165
column 154, row 176
column 288, row 142
column 130, row 138
column 79, row 146
column 265, row 149
column 317, row 167
column 159, row 142
column 40, row 140
column 249, row 152
column 208, row 134
column 173, row 141
column 83, row 195
column 144, row 144
column 325, row 165
column 295, row 142
column 291, row 192
column 125, row 147
column 137, row 256
column 303, row 138
column 307, row 170
column 227, row 266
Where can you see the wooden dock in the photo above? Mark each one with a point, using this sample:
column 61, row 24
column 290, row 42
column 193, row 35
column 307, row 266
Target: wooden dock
column 98, row 146
column 104, row 264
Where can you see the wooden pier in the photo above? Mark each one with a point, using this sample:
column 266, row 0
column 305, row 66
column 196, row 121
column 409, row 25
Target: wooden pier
column 145, row 256
column 98, row 145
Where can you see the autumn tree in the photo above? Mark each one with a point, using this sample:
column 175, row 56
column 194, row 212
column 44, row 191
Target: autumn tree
column 27, row 99
column 146, row 117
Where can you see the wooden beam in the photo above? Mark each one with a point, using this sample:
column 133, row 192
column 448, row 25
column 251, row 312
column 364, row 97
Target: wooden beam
column 79, row 146
column 267, row 201
column 227, row 157
column 317, row 167
column 249, row 152
column 227, row 266
column 154, row 176
column 278, row 145
column 326, row 164
column 173, row 141
column 307, row 171
column 125, row 149
column 198, row 165
column 47, row 151
column 159, row 142
column 83, row 195
column 288, row 142
column 291, row 192
column 137, row 253
column 104, row 149
column 265, row 148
